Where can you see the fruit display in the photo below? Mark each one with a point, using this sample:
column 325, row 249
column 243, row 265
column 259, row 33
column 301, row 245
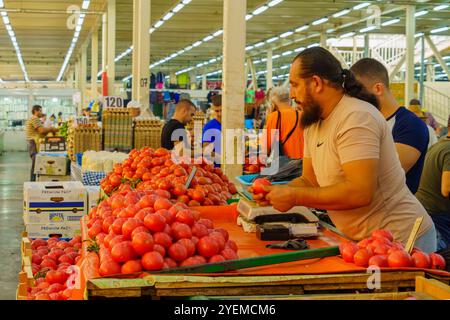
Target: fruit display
column 381, row 250
column 149, row 169
column 51, row 264
column 117, row 129
column 102, row 161
column 147, row 133
column 144, row 230
column 63, row 130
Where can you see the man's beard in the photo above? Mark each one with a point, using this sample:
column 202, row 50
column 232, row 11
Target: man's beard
column 311, row 111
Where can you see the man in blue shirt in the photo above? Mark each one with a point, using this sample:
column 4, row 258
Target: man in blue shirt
column 212, row 131
column 409, row 131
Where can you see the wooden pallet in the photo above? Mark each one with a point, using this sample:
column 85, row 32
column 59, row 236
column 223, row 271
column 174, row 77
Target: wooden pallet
column 25, row 276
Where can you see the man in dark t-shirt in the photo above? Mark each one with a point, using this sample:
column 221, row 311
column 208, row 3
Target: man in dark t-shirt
column 410, row 133
column 184, row 113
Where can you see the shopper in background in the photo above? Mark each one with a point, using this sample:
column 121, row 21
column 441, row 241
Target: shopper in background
column 350, row 166
column 60, row 119
column 34, row 131
column 415, row 108
column 286, row 119
column 434, row 188
column 441, row 132
column 410, row 134
column 212, row 131
column 47, row 123
column 184, row 113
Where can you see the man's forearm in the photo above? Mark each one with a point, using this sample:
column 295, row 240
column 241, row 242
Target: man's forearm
column 299, row 182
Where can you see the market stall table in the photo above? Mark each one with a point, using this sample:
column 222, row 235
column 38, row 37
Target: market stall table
column 325, row 275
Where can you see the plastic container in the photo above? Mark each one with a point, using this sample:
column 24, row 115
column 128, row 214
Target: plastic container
column 247, row 180
column 79, row 159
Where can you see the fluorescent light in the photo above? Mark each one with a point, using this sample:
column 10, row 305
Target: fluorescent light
column 341, row 13
column 5, row 19
column 317, row 22
column 439, row 29
column 152, row 30
column 257, row 61
column 367, row 29
column 217, row 33
column 361, row 5
column 273, row 3
column 248, row 17
column 186, row 1
column 159, row 23
column 212, row 60
column 260, row 10
column 85, row 4
column 418, row 34
column 440, row 7
column 313, row 45
column 259, row 44
column 286, row 53
column 275, row 57
column 168, row 16
column 286, row 34
column 249, row 48
column 299, row 49
column 196, row 44
column 389, row 22
column 207, row 38
column 420, row 13
column 302, row 28
column 272, row 39
column 1, row 4
column 330, row 30
column 188, row 48
column 178, row 7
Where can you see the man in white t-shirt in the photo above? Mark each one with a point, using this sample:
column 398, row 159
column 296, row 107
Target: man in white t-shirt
column 350, row 166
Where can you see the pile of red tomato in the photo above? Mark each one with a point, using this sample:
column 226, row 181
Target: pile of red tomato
column 149, row 169
column 381, row 250
column 51, row 262
column 146, row 230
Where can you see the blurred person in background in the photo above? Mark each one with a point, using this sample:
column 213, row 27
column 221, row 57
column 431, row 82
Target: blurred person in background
column 184, row 113
column 212, row 131
column 434, row 189
column 415, row 108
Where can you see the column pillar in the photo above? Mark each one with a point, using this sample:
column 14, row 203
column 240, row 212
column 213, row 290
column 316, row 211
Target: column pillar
column 366, row 45
column 234, row 39
column 104, row 41
column 269, row 76
column 111, row 46
column 204, row 82
column 410, row 44
column 422, row 67
column 94, row 63
column 83, row 76
column 141, row 51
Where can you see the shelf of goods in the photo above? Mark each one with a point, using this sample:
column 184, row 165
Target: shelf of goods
column 83, row 137
column 147, row 133
column 117, row 129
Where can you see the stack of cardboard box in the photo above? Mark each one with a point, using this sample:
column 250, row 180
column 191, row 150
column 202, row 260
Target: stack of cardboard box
column 52, row 166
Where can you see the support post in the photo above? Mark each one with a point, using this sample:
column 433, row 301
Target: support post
column 438, row 56
column 141, row 52
column 111, row 46
column 422, row 68
column 104, row 41
column 269, row 75
column 234, row 38
column 366, row 46
column 204, row 82
column 410, row 44
column 94, row 63
column 83, row 76
column 355, row 50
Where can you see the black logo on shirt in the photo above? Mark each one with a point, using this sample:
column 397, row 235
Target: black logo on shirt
column 320, row 144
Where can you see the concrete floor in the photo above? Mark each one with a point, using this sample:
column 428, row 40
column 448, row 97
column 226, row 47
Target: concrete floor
column 14, row 171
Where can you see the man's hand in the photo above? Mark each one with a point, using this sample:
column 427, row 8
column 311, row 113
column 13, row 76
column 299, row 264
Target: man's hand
column 282, row 198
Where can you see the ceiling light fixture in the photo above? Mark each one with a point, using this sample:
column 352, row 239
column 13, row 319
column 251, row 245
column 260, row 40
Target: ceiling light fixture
column 389, row 22
column 320, row 21
column 286, row 34
column 367, row 29
column 439, row 29
column 341, row 13
column 420, row 13
column 361, row 5
column 302, row 28
column 260, row 10
column 441, row 7
column 273, row 3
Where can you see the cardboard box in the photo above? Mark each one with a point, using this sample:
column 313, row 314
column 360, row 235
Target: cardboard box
column 45, row 231
column 54, row 202
column 44, row 178
column 51, row 163
column 93, row 193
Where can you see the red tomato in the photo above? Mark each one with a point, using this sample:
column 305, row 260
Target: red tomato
column 162, row 203
column 170, row 262
column 115, row 180
column 138, row 230
column 181, row 230
column 216, row 258
column 189, row 245
column 178, row 252
column 259, row 184
column 160, row 249
column 54, row 276
column 147, row 201
column 36, row 258
column 199, row 230
column 116, row 227
column 223, row 232
column 232, row 245
column 383, row 234
column 123, row 251
column 421, row 260
column 56, row 287
column 194, row 203
column 155, row 222
column 109, row 268
column 208, row 223
column 183, row 199
column 162, row 239
column 129, row 226
column 152, row 261
column 229, row 254
column 107, row 222
column 361, row 257
column 186, row 217
column 379, row 261
column 117, row 201
column 208, row 247
column 132, row 266
column 42, row 296
column 66, row 259
column 192, row 261
column 35, row 244
column 399, row 259
column 381, row 249
column 348, row 251
column 142, row 243
column 437, row 261
column 219, row 238
column 48, row 263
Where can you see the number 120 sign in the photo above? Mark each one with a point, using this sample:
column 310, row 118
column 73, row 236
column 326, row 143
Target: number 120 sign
column 114, row 102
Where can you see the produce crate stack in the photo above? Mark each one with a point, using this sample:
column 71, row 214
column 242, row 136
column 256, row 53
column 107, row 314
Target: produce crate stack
column 199, row 120
column 52, row 166
column 83, row 137
column 117, row 129
column 147, row 133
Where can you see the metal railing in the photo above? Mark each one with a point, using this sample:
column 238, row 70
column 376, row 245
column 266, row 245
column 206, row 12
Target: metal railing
column 437, row 103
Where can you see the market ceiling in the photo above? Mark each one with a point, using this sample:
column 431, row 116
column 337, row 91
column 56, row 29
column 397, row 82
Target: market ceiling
column 35, row 39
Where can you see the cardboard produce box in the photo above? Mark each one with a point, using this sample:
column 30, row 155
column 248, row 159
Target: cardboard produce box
column 51, row 164
column 61, row 230
column 54, row 202
column 93, row 196
column 44, row 178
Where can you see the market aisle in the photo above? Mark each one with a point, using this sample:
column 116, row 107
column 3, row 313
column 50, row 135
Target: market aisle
column 14, row 170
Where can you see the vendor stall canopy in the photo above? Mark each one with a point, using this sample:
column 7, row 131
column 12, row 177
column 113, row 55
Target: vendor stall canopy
column 42, row 40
